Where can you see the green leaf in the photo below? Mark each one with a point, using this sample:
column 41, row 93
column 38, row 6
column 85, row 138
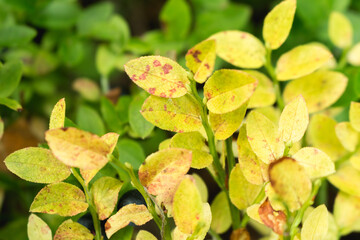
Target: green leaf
column 241, row 49
column 300, row 61
column 264, row 94
column 354, row 115
column 347, row 135
column 347, row 213
column 70, row 230
column 110, row 116
column 159, row 76
column 57, row 117
column 316, row 224
column 122, row 108
column 178, row 115
column 114, row 29
column 1, row 128
column 347, row 179
column 61, row 198
column 353, row 55
column 278, row 22
column 10, row 75
column 37, row 165
column 220, row 212
column 37, row 229
column 131, row 152
column 105, row 193
column 125, row 233
column 105, row 60
column 89, row 120
column 145, row 235
column 340, row 30
column 15, row 35
column 137, row 120
column 10, row 103
column 226, row 90
column 71, row 51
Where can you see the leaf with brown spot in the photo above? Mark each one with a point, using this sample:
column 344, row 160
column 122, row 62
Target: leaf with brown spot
column 37, row 229
column 159, row 76
column 276, row 220
column 70, row 230
column 240, row 234
column 57, row 117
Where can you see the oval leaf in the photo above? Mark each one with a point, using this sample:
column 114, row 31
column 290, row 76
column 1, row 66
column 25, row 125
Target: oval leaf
column 340, row 30
column 347, row 213
column 347, row 179
column 264, row 94
column 276, row 220
column 70, row 230
column 57, row 117
column 220, row 213
column 353, row 56
column 37, row 229
column 145, row 235
column 347, row 135
column 354, row 115
column 316, row 224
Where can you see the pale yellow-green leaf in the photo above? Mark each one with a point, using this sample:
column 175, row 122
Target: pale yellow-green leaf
column 300, row 61
column 228, row 89
column 347, row 213
column 333, row 229
column 70, row 230
column 57, row 117
column 290, row 181
column 353, row 56
column 316, row 224
column 239, row 48
column 61, row 198
column 340, row 30
column 347, row 135
column 201, row 186
column 201, row 60
column 272, row 113
column 319, row 89
column 187, row 206
column 159, row 76
column 354, row 115
column 224, row 125
column 331, row 63
column 37, row 165
column 264, row 137
column 294, row 120
column 221, row 214
column 275, row 200
column 295, row 148
column 145, row 235
column 37, row 229
column 315, row 162
column 321, row 134
column 264, row 94
column 278, row 22
column 253, row 212
column 347, row 179
column 195, row 142
column 105, row 195
column 242, row 193
column 87, row 88
column 165, row 144
column 276, row 220
column 137, row 214
column 178, row 115
column 355, row 160
column 77, row 148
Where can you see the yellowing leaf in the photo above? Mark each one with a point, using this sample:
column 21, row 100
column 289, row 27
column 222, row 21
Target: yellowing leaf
column 145, row 235
column 353, row 56
column 347, row 179
column 319, row 89
column 57, row 117
column 187, row 206
column 137, row 214
column 227, row 89
column 354, row 115
column 253, row 212
column 239, row 48
column 294, row 120
column 278, row 22
column 290, row 182
column 301, row 61
column 201, row 60
column 264, row 137
column 240, row 234
column 201, row 186
column 37, row 229
column 178, row 115
column 87, row 88
column 276, row 220
column 272, row 113
column 355, row 160
column 347, row 135
column 242, row 193
column 61, row 198
column 159, row 76
column 70, row 230
column 77, row 148
column 275, row 200
column 224, row 125
column 321, row 134
column 195, row 142
column 340, row 30
column 37, row 165
column 264, row 94
column 316, row 224
column 315, row 162
column 221, row 214
column 347, row 213
column 165, row 144
column 105, row 195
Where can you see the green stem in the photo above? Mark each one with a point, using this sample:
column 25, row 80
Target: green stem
column 96, row 221
column 104, row 83
column 214, row 235
column 342, row 61
column 229, row 154
column 287, row 149
column 322, row 197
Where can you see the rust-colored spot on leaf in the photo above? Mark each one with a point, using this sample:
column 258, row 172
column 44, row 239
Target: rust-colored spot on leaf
column 107, row 226
column 156, row 63
column 275, row 220
column 152, row 90
column 240, row 234
column 166, row 68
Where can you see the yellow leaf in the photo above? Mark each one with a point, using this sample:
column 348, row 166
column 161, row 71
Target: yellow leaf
column 253, row 212
column 276, row 220
column 201, row 185
column 315, row 162
column 278, row 22
column 347, row 179
column 165, row 144
column 57, row 117
column 274, row 198
column 87, row 88
column 178, row 115
column 239, row 48
column 340, row 30
column 159, row 76
column 347, row 213
column 201, row 60
column 137, row 214
column 145, row 235
column 227, row 89
column 300, row 61
column 221, row 214
column 353, row 56
column 319, row 89
column 354, row 115
column 347, row 135
column 290, row 182
column 77, row 148
column 264, row 137
column 355, row 160
column 272, row 113
column 264, row 94
column 294, row 120
column 70, row 230
column 37, row 229
column 316, row 224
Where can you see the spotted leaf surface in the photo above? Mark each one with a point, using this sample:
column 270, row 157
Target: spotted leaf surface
column 239, row 48
column 347, row 179
column 159, row 76
column 37, row 165
column 70, row 230
column 276, row 220
column 278, row 22
column 178, row 115
column 221, row 214
column 57, row 117
column 264, row 94
column 61, row 198
column 347, row 135
column 201, row 60
column 301, row 61
column 316, row 224
column 37, row 229
column 347, row 213
column 354, row 115
column 353, row 56
column 226, row 90
column 340, row 30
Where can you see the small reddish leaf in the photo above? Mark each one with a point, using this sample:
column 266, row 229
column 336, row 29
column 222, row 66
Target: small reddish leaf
column 276, row 220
